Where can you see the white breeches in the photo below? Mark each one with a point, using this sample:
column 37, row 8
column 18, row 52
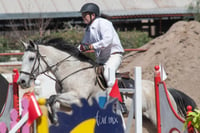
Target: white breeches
column 110, row 68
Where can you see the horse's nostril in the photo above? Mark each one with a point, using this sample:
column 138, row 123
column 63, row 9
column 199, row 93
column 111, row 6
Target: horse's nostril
column 22, row 81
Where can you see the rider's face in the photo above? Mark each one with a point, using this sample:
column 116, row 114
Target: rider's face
column 86, row 17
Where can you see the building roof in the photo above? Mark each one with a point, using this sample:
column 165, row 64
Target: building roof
column 20, row 9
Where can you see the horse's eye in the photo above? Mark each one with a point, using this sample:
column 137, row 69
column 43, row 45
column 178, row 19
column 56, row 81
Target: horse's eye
column 31, row 58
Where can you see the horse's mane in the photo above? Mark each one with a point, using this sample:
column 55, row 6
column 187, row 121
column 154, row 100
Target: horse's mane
column 63, row 45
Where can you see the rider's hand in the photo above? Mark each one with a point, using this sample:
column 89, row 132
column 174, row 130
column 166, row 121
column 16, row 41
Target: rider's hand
column 84, row 47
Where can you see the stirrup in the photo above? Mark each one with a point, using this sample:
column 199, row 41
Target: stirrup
column 123, row 108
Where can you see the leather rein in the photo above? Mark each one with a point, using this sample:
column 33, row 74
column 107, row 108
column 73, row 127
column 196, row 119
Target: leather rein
column 49, row 68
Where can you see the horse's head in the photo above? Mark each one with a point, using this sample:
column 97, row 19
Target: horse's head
column 38, row 59
column 31, row 65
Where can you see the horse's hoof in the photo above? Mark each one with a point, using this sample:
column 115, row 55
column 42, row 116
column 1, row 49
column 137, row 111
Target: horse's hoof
column 51, row 100
column 55, row 121
column 53, row 118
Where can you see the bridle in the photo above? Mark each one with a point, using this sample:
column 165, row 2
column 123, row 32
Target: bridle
column 35, row 69
column 49, row 68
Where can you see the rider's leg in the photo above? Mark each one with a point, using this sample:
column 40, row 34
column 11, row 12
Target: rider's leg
column 111, row 67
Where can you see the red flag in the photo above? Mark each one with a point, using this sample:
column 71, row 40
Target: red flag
column 115, row 91
column 34, row 109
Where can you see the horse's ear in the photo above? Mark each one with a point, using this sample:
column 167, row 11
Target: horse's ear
column 32, row 43
column 24, row 44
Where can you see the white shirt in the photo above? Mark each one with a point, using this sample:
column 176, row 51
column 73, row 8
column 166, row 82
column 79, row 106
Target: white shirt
column 105, row 40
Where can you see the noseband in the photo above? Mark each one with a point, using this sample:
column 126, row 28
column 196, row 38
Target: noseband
column 48, row 67
column 31, row 74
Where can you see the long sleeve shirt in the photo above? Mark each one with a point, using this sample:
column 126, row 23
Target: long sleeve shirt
column 104, row 38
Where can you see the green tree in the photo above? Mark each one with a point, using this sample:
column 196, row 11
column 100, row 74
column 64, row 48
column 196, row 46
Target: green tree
column 194, row 7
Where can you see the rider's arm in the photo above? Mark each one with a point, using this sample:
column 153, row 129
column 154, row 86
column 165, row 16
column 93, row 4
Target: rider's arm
column 106, row 33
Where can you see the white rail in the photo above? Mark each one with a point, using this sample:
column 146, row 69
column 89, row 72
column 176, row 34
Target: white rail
column 136, row 103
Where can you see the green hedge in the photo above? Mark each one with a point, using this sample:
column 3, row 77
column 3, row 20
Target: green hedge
column 129, row 39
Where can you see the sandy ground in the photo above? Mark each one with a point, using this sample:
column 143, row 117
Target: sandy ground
column 178, row 51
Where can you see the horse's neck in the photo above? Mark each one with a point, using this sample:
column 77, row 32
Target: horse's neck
column 71, row 66
column 65, row 64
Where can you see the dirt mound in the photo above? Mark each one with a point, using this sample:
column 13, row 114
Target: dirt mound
column 179, row 52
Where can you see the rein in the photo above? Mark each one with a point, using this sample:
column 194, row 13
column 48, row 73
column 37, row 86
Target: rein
column 77, row 72
column 49, row 68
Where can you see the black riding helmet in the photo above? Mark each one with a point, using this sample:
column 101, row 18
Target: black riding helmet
column 91, row 8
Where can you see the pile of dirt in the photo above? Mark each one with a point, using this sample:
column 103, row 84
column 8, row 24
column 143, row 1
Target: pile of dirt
column 178, row 51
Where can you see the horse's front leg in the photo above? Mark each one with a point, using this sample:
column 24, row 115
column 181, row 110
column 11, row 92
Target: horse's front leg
column 68, row 98
column 64, row 100
column 52, row 109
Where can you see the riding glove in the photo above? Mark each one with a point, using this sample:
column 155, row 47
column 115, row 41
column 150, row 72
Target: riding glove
column 84, row 47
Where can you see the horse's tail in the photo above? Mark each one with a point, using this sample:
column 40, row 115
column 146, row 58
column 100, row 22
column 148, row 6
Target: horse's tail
column 182, row 100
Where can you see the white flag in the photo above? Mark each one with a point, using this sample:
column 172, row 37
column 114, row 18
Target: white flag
column 163, row 74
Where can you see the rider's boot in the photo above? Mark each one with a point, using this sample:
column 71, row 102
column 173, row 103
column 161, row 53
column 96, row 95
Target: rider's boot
column 123, row 107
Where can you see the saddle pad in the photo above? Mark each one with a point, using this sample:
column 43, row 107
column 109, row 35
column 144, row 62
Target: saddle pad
column 127, row 83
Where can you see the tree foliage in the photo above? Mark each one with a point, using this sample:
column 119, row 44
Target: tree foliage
column 194, row 7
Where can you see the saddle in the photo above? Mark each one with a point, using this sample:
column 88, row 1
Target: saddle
column 124, row 79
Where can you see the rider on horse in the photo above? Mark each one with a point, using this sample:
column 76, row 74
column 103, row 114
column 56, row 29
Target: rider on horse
column 101, row 36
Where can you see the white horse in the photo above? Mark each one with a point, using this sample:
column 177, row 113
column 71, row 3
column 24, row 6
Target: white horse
column 75, row 74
